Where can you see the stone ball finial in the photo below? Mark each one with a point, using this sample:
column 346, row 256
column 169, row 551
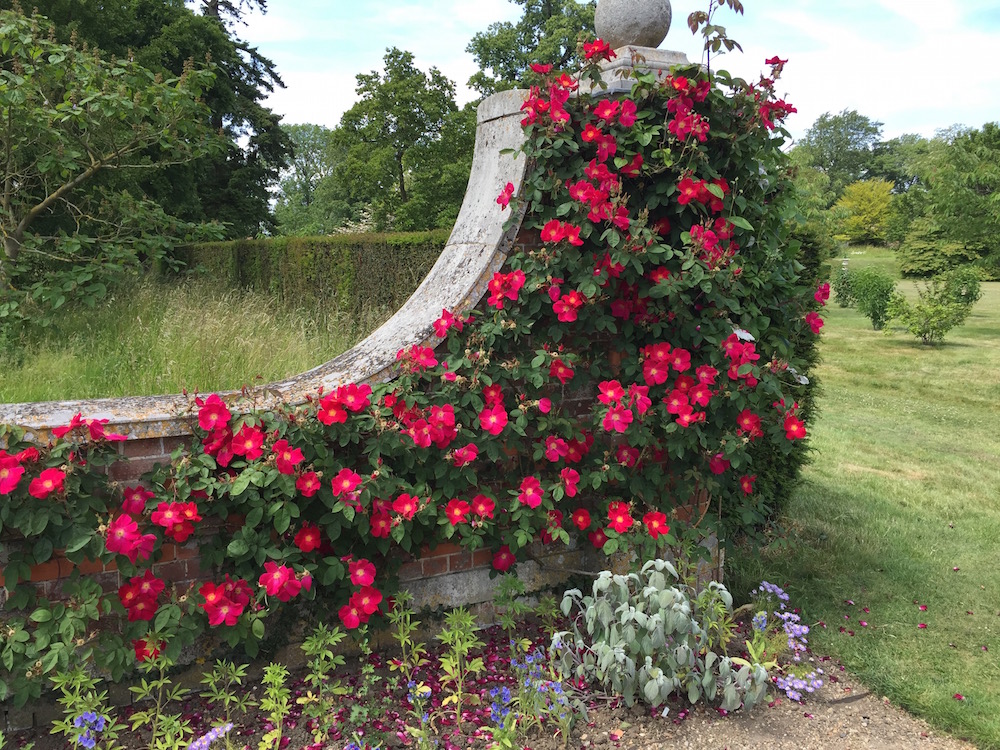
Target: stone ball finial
column 642, row 23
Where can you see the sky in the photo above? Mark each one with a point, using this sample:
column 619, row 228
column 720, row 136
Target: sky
column 913, row 65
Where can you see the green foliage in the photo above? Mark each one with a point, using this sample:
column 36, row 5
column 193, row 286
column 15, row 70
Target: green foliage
column 953, row 217
column 842, row 146
column 509, row 606
column 276, row 701
column 926, row 251
column 547, row 33
column 412, row 653
column 225, row 692
column 646, row 636
column 320, row 706
column 310, row 200
column 457, row 664
column 872, row 289
column 841, row 286
column 167, row 731
column 962, row 285
column 715, row 36
column 438, row 174
column 864, row 206
column 77, row 695
column 75, row 127
column 400, row 109
column 943, row 303
column 230, row 186
column 353, row 271
column 689, row 280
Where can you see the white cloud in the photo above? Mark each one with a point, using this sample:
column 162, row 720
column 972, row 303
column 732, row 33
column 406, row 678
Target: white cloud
column 914, row 66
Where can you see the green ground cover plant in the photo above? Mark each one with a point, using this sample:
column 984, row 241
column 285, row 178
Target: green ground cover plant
column 890, row 544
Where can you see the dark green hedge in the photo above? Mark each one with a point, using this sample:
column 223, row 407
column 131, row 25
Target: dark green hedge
column 354, row 272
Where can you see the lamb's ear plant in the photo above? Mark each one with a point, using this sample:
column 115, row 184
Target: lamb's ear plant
column 646, row 635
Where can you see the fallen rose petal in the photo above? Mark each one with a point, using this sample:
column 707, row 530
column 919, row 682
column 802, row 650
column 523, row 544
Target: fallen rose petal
column 959, row 697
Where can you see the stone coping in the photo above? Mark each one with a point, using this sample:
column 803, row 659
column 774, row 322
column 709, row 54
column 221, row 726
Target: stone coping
column 478, row 246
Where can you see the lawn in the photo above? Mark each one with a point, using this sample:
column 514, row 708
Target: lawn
column 900, row 509
column 161, row 338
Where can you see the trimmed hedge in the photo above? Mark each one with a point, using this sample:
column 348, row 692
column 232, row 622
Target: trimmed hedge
column 355, row 272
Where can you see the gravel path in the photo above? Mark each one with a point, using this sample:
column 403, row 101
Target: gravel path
column 843, row 714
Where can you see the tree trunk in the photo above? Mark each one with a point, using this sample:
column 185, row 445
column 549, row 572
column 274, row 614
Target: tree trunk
column 402, row 182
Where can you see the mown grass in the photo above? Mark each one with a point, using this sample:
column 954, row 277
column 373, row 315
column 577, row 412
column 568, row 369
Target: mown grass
column 901, row 507
column 161, row 338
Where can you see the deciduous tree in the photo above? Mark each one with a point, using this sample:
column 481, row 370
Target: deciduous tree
column 546, row 33
column 74, row 131
column 864, row 208
column 401, row 108
column 843, row 146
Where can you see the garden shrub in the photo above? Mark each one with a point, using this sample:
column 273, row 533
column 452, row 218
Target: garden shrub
column 926, row 251
column 962, row 285
column 842, row 287
column 872, row 289
column 943, row 303
column 354, row 272
column 646, row 355
column 645, row 636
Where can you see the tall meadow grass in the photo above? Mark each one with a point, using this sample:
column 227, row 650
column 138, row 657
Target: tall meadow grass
column 161, row 338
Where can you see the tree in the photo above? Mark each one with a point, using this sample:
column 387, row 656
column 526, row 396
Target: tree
column 439, row 174
column 74, row 131
column 401, row 109
column 310, row 200
column 548, row 32
column 962, row 177
column 864, row 208
column 842, row 146
column 232, row 185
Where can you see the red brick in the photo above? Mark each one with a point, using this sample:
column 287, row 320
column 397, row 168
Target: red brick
column 170, row 444
column 482, row 557
column 460, row 561
column 434, row 566
column 46, row 571
column 186, row 552
column 172, row 571
column 445, row 548
column 87, row 567
column 410, row 571
column 131, row 470
column 65, row 566
column 109, row 582
column 168, row 552
column 142, row 448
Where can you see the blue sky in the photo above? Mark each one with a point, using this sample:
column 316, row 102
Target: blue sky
column 913, row 65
